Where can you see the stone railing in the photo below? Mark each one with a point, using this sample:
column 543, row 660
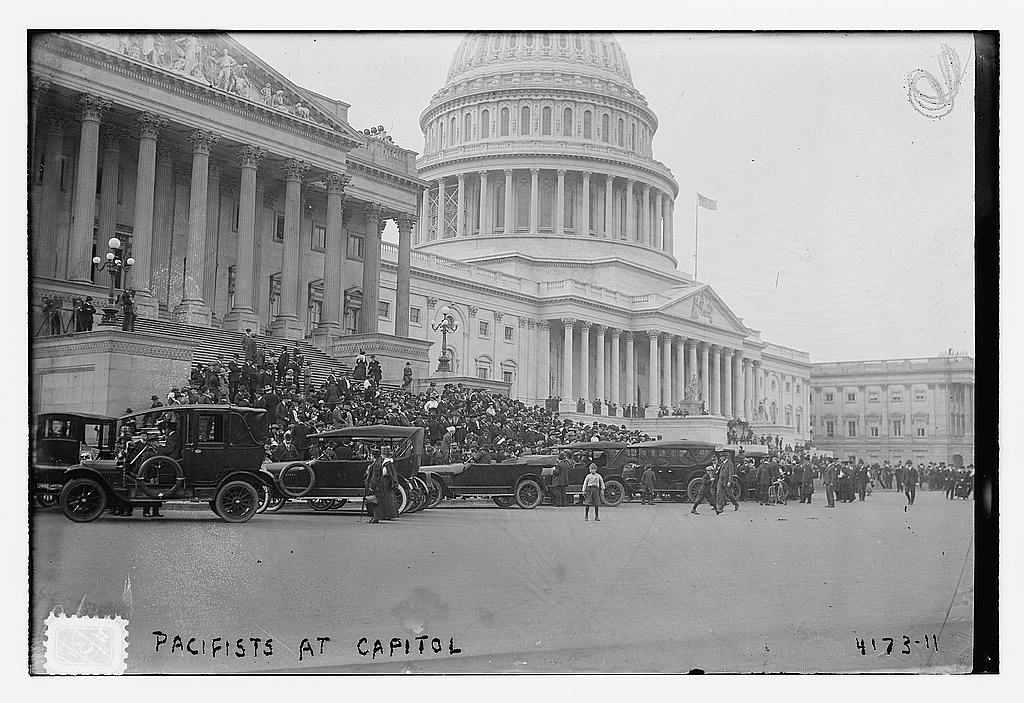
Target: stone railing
column 471, row 272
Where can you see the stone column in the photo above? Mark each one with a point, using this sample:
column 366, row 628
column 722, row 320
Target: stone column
column 680, row 384
column 666, row 371
column 599, row 366
column 705, row 375
column 691, row 361
column 460, row 216
column 585, row 206
column 405, row 225
column 83, row 214
column 630, row 233
column 485, row 222
column 669, row 229
column 193, row 310
column 585, row 361
column 212, row 233
column 727, row 383
column 142, row 225
column 543, row 360
column 716, row 380
column 243, row 312
column 510, row 202
column 332, row 315
column 747, row 395
column 525, row 375
column 50, row 257
column 653, row 373
column 630, row 370
column 658, row 235
column 424, row 229
column 566, row 391
column 442, row 191
column 645, row 236
column 287, row 323
column 560, row 204
column 615, row 379
column 112, row 137
column 739, row 388
column 534, row 195
column 756, row 380
column 609, row 217
column 373, row 214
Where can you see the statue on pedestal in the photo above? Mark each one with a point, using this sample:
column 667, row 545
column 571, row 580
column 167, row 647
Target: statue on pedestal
column 692, row 390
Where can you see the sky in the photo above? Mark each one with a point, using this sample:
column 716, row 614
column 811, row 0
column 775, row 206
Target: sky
column 845, row 220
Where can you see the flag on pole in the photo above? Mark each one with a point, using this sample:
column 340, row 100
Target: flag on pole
column 707, row 203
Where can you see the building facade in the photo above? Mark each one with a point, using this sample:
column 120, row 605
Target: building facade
column 537, row 219
column 895, row 410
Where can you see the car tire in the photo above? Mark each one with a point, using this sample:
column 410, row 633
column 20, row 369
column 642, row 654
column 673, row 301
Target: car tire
column 435, row 492
column 529, row 494
column 291, row 491
column 82, row 500
column 275, row 504
column 504, row 501
column 264, row 499
column 319, row 504
column 237, row 501
column 613, row 493
column 338, row 503
column 46, row 500
column 694, row 488
column 421, row 488
column 401, row 498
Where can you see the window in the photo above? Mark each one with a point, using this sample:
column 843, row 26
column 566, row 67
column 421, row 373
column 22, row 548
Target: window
column 485, row 124
column 545, row 121
column 210, row 428
column 319, row 238
column 851, row 428
column 897, row 396
column 384, row 310
column 506, row 376
column 355, row 247
column 65, row 173
column 787, row 386
column 830, row 428
column 798, row 389
column 485, row 328
column 588, row 126
column 567, row 122
column 279, row 227
column 621, row 135
column 234, row 217
column 414, row 316
column 604, row 128
column 872, row 396
column 873, row 430
column 897, row 428
column 632, row 137
column 919, row 395
column 524, row 121
column 452, row 132
column 508, row 333
column 920, row 430
column 830, row 397
column 504, row 122
column 851, row 397
column 482, row 372
column 467, row 127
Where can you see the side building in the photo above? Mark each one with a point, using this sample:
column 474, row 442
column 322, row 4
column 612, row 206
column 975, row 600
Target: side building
column 896, row 409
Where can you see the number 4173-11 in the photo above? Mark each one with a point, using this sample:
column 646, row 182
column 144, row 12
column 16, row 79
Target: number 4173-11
column 891, row 645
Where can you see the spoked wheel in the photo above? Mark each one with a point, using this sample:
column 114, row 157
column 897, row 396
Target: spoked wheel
column 46, row 500
column 783, row 493
column 613, row 493
column 424, row 493
column 275, row 504
column 237, row 501
column 338, row 503
column 320, row 504
column 83, row 500
column 504, row 501
column 264, row 499
column 694, row 489
column 529, row 494
column 401, row 498
column 435, row 492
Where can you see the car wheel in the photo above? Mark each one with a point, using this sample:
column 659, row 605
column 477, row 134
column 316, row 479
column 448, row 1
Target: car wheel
column 275, row 504
column 237, row 501
column 401, row 498
column 319, row 504
column 47, row 500
column 83, row 500
column 435, row 492
column 613, row 493
column 528, row 494
column 289, row 480
column 504, row 501
column 694, row 489
column 264, row 499
column 338, row 503
column 423, row 491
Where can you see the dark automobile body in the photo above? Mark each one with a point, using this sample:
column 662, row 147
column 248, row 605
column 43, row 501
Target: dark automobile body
column 748, row 479
column 59, row 441
column 610, row 458
column 345, row 478
column 498, row 480
column 675, row 462
column 219, row 444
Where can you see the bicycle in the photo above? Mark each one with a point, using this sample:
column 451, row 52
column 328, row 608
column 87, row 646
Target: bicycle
column 778, row 492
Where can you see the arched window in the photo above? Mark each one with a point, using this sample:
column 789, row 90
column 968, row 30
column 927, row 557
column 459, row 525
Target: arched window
column 513, row 40
column 546, row 39
column 524, row 121
column 620, row 137
column 588, row 127
column 605, row 129
column 563, row 41
column 622, row 215
column 568, row 217
column 485, row 124
column 452, row 132
column 546, row 209
column 504, row 122
column 593, row 47
column 467, row 127
column 496, row 44
column 440, row 135
column 523, row 204
column 545, row 121
column 567, row 122
column 529, row 39
column 579, row 43
column 499, row 205
column 632, row 137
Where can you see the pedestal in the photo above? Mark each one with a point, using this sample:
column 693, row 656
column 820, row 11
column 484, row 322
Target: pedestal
column 440, row 380
column 324, row 335
column 146, row 305
column 392, row 352
column 242, row 320
column 286, row 327
column 192, row 312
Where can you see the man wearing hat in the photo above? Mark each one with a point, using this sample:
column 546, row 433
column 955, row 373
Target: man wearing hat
column 156, row 402
column 249, row 346
column 86, row 312
column 560, row 479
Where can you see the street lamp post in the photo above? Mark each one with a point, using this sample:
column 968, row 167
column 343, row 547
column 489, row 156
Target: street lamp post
column 446, row 324
column 114, row 266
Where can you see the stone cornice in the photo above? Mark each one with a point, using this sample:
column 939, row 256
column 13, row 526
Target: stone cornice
column 382, row 175
column 100, row 341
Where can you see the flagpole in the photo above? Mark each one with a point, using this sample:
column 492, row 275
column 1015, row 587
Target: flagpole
column 696, row 220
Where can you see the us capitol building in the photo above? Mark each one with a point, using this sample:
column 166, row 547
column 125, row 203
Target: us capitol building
column 536, row 223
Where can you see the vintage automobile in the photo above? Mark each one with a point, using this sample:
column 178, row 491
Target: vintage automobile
column 210, row 453
column 506, row 483
column 678, row 465
column 747, row 479
column 63, row 439
column 610, row 458
column 337, row 481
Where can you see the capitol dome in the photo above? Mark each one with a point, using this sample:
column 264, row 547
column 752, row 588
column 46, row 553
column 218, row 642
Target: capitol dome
column 539, row 144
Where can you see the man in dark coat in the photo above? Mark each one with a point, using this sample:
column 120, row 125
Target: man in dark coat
column 299, row 432
column 806, row 482
column 127, row 301
column 283, row 362
column 87, row 312
column 374, row 370
column 374, row 486
column 765, row 475
column 388, row 484
column 726, row 476
column 249, row 346
column 234, row 377
column 829, row 477
column 860, row 480
column 559, row 480
column 911, row 477
column 647, row 485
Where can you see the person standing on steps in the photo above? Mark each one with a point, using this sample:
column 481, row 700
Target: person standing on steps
column 593, row 486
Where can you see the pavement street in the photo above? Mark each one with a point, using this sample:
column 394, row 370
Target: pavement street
column 648, row 588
